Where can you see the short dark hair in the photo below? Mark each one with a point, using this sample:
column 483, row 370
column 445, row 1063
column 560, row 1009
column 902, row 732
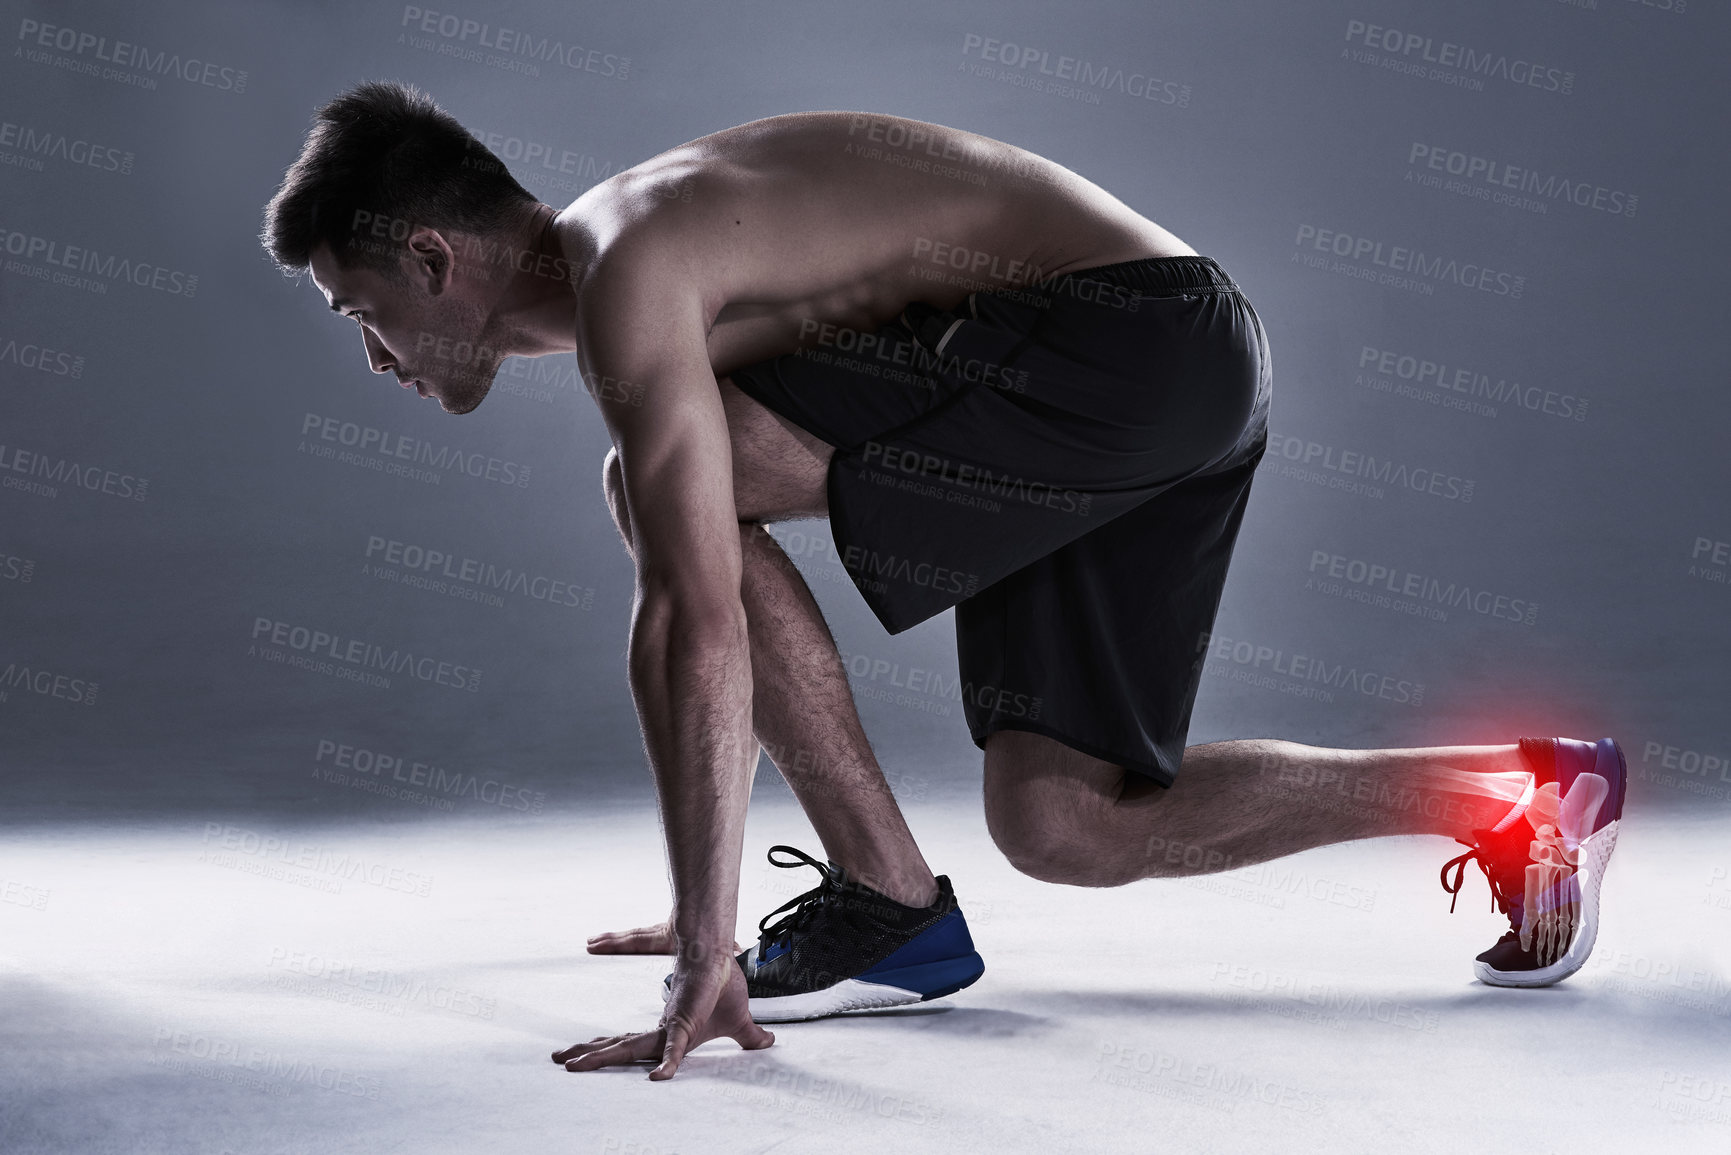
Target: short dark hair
column 384, row 151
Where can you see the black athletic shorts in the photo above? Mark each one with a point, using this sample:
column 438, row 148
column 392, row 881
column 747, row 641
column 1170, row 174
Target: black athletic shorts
column 1067, row 464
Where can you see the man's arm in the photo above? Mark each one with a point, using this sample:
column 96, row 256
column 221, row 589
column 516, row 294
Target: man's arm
column 641, row 339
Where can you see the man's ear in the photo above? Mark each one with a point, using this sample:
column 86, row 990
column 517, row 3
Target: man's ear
column 434, row 263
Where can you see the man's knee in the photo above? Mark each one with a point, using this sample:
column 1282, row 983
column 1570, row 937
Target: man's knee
column 1059, row 816
column 1043, row 851
column 1046, row 831
column 1066, row 846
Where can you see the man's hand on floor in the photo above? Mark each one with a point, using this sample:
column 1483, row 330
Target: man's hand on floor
column 708, row 1001
column 657, row 939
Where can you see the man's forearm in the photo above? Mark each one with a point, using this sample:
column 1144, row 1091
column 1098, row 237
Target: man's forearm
column 691, row 678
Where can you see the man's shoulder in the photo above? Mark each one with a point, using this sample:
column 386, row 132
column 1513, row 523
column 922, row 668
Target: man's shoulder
column 660, row 230
column 639, row 252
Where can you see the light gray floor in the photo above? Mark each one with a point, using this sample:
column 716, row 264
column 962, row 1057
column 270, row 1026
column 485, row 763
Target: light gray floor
column 186, row 989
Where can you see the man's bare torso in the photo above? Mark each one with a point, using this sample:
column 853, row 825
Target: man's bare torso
column 843, row 218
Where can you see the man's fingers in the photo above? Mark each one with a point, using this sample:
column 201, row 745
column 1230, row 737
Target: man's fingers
column 754, row 1038
column 643, row 940
column 595, row 1044
column 632, row 1049
column 678, row 1039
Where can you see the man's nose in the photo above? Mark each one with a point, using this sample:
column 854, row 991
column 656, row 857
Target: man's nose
column 377, row 356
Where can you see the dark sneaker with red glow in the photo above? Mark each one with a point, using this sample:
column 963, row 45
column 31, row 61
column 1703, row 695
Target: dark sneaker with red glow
column 1546, row 860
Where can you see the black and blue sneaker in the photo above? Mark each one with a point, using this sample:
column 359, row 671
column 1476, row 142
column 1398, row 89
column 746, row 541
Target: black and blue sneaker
column 844, row 947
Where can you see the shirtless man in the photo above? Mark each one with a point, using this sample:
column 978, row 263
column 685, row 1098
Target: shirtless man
column 1011, row 395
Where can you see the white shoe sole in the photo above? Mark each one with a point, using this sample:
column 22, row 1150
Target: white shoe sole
column 847, row 995
column 1595, row 856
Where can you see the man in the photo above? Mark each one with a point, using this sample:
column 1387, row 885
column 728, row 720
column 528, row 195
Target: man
column 1011, row 395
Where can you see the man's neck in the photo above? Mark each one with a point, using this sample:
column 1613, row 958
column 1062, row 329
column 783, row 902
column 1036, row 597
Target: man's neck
column 538, row 304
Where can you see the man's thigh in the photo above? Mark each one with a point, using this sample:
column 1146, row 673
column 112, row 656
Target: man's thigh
column 779, row 470
column 1026, row 766
column 1036, row 774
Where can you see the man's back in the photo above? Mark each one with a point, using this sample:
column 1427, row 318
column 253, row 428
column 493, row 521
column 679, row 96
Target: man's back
column 843, row 218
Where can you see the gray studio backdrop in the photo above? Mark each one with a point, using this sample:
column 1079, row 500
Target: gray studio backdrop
column 1487, row 239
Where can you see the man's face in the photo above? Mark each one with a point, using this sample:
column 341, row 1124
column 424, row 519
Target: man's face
column 425, row 328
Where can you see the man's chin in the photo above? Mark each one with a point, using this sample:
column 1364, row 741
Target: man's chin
column 466, row 402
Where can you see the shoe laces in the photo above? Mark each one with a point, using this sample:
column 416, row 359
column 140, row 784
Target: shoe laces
column 1484, row 859
column 802, row 908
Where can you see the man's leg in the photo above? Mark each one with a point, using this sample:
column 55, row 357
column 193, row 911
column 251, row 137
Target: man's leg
column 804, row 716
column 803, row 712
column 1062, row 816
